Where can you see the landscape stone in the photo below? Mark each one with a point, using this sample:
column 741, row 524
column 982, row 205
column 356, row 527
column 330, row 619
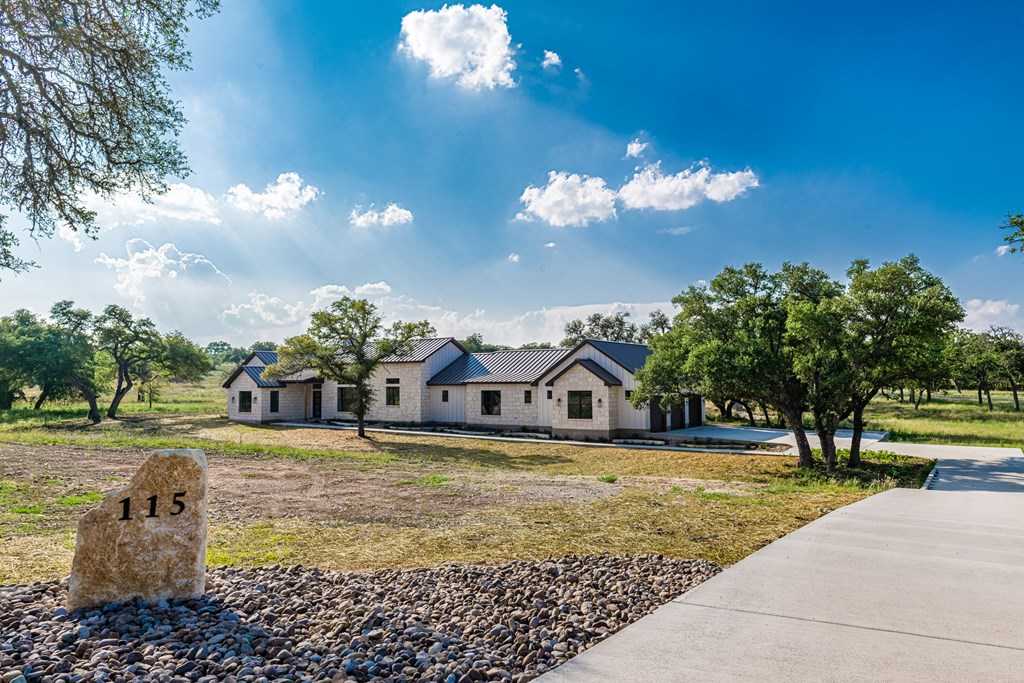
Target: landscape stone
column 147, row 540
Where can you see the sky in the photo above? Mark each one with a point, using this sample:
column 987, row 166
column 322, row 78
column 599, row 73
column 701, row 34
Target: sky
column 505, row 168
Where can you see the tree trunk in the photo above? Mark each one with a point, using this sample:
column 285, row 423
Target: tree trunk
column 94, row 409
column 901, row 394
column 750, row 413
column 928, row 399
column 794, row 419
column 1016, row 398
column 124, row 385
column 980, row 400
column 767, row 417
column 6, row 397
column 917, row 400
column 828, row 448
column 41, row 399
column 858, row 433
column 988, row 394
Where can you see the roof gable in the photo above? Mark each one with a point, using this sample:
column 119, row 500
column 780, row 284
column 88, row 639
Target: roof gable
column 627, row 354
column 608, row 378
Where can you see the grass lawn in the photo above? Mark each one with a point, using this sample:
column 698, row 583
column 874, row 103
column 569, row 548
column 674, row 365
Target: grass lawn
column 950, row 418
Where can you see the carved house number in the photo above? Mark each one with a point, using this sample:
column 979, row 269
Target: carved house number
column 126, row 506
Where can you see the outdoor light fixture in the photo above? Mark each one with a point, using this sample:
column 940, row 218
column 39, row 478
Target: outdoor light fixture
column 598, row 401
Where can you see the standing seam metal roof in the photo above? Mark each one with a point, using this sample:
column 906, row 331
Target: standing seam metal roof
column 500, row 367
column 628, row 355
column 256, row 374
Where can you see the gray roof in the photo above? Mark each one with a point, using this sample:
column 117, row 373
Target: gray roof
column 268, row 357
column 256, row 374
column 630, row 356
column 500, row 367
column 421, row 350
column 608, row 378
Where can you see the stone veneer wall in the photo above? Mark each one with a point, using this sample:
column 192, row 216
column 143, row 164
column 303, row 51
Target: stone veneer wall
column 603, row 422
column 515, row 412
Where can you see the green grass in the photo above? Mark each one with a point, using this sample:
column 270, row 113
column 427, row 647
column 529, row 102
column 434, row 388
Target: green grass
column 78, row 499
column 608, row 478
column 950, row 418
column 428, row 481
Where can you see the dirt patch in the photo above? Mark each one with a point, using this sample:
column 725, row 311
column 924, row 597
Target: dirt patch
column 254, row 488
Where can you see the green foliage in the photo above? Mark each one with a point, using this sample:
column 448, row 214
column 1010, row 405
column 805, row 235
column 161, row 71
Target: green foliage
column 608, row 478
column 1015, row 232
column 87, row 107
column 223, row 352
column 345, row 343
column 474, row 343
column 183, row 360
column 134, row 345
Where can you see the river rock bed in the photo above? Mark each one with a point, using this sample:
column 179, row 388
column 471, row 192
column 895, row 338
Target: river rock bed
column 454, row 623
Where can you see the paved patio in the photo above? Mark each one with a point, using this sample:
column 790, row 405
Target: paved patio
column 907, row 585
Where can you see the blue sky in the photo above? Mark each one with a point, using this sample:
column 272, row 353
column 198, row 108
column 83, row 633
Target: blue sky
column 772, row 134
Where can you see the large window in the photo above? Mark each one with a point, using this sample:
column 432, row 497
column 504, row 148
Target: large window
column 275, row 401
column 348, row 398
column 245, row 401
column 444, row 396
column 393, row 396
column 490, row 403
column 580, row 405
column 527, row 396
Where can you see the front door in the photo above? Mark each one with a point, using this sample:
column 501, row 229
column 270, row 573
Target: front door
column 318, row 400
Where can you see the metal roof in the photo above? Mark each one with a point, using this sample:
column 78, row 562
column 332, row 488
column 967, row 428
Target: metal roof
column 267, row 357
column 500, row 367
column 630, row 356
column 608, row 378
column 256, row 374
column 421, row 350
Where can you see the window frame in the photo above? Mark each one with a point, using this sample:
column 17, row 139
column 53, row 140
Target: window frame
column 488, row 403
column 241, row 403
column 275, row 401
column 527, row 396
column 444, row 396
column 342, row 406
column 393, row 396
column 581, row 414
column 392, row 380
column 550, row 393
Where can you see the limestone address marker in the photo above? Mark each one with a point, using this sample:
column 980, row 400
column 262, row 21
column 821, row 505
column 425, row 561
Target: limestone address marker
column 148, row 540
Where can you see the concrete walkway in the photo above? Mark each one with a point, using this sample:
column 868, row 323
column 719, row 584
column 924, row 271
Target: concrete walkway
column 907, row 585
column 769, row 435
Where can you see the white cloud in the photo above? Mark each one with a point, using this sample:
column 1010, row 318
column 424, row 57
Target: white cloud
column 72, row 237
column 568, row 199
column 677, row 232
column 551, row 60
column 550, row 245
column 649, row 188
column 513, row 257
column 148, row 270
column 392, row 214
column 983, row 313
column 284, row 196
column 1001, row 250
column 372, row 290
column 264, row 310
column 635, row 148
column 181, row 202
column 471, row 44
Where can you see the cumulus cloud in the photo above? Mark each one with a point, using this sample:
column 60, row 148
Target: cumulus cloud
column 551, row 60
column 649, row 188
column 568, row 200
column 264, row 311
column 980, row 314
column 470, row 44
column 392, row 214
column 147, row 269
column 181, row 202
column 72, row 237
column 513, row 257
column 1001, row 250
column 635, row 148
column 283, row 197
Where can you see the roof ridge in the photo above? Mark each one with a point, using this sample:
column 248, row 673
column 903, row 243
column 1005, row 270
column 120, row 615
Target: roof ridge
column 484, row 353
column 613, row 341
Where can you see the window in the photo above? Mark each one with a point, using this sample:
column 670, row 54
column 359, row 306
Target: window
column 245, row 401
column 444, row 396
column 549, row 394
column 580, row 406
column 348, row 399
column 527, row 396
column 490, row 403
column 393, row 396
column 392, row 380
column 275, row 401
column 629, row 394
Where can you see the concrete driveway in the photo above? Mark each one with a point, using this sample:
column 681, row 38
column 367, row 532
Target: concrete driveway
column 766, row 435
column 907, row 585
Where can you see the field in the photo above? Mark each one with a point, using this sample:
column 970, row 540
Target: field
column 327, row 498
column 951, row 418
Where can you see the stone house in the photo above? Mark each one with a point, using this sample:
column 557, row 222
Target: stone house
column 580, row 392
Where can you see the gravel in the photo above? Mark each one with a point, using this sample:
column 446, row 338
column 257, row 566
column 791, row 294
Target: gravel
column 455, row 623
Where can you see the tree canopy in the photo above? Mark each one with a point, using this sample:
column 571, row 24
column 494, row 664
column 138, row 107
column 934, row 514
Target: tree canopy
column 85, row 107
column 1014, row 237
